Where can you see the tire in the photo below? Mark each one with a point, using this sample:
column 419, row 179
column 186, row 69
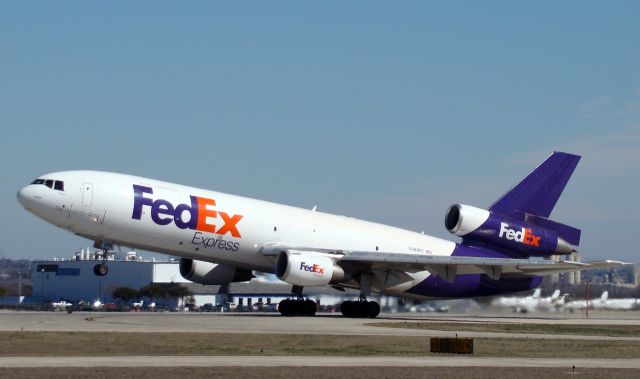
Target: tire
column 100, row 269
column 347, row 308
column 285, row 308
column 362, row 309
column 373, row 309
column 309, row 308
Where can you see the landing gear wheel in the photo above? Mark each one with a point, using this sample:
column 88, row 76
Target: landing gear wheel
column 290, row 307
column 284, row 307
column 373, row 309
column 360, row 309
column 100, row 269
column 347, row 308
column 309, row 308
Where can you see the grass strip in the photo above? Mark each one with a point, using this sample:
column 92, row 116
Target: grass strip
column 115, row 343
column 528, row 328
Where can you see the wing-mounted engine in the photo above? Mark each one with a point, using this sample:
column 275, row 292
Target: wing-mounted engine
column 208, row 273
column 306, row 268
column 531, row 235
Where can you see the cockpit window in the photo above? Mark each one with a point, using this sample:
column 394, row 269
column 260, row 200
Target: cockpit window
column 58, row 185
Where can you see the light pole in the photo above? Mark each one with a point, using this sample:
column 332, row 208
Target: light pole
column 42, row 284
column 19, row 287
column 586, row 296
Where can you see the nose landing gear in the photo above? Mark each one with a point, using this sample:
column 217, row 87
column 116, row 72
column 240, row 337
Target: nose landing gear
column 101, row 269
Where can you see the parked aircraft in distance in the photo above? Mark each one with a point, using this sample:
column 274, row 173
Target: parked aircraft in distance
column 223, row 238
column 604, row 303
column 531, row 303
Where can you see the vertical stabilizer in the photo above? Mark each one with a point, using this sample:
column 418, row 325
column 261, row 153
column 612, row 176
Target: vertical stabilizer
column 539, row 191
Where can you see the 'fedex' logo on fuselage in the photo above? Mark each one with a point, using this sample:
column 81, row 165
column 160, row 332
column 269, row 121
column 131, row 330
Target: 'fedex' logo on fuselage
column 524, row 235
column 315, row 268
column 163, row 213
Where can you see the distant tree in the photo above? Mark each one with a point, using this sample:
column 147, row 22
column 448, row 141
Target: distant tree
column 3, row 291
column 125, row 294
column 180, row 291
column 153, row 291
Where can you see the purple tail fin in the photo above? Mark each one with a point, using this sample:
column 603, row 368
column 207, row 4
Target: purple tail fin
column 535, row 196
column 539, row 192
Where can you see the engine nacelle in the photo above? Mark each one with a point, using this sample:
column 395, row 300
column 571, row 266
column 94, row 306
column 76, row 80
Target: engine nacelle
column 208, row 273
column 304, row 268
column 475, row 224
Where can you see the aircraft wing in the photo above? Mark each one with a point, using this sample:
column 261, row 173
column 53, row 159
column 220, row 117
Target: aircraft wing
column 447, row 267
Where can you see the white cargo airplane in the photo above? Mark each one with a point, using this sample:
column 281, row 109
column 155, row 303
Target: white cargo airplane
column 605, row 303
column 223, row 238
column 531, row 303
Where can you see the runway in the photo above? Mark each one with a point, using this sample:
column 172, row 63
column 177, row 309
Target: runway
column 310, row 361
column 327, row 324
column 276, row 324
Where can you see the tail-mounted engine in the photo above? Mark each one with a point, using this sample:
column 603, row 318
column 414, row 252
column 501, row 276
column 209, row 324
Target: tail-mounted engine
column 479, row 225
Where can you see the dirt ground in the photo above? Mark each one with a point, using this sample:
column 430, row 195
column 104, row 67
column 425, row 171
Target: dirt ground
column 317, row 372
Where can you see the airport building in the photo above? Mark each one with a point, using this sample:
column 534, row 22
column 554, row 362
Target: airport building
column 74, row 280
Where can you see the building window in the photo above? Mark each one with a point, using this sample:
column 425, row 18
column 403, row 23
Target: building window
column 47, row 268
column 269, row 301
column 240, row 301
column 68, row 272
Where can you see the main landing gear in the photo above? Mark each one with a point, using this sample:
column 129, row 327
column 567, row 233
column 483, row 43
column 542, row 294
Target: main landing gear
column 298, row 306
column 360, row 309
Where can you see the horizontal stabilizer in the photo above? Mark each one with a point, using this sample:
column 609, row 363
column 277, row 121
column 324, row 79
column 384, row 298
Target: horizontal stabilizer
column 566, row 232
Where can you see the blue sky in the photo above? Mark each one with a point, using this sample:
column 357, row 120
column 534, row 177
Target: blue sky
column 384, row 111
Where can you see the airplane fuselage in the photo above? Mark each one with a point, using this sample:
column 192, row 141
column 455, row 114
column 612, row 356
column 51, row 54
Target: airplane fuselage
column 237, row 231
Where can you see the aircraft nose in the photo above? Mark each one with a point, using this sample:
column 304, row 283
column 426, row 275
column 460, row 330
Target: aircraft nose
column 26, row 197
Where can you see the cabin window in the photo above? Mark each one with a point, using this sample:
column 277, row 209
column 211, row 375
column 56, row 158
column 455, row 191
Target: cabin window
column 48, row 183
column 38, row 181
column 59, row 185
